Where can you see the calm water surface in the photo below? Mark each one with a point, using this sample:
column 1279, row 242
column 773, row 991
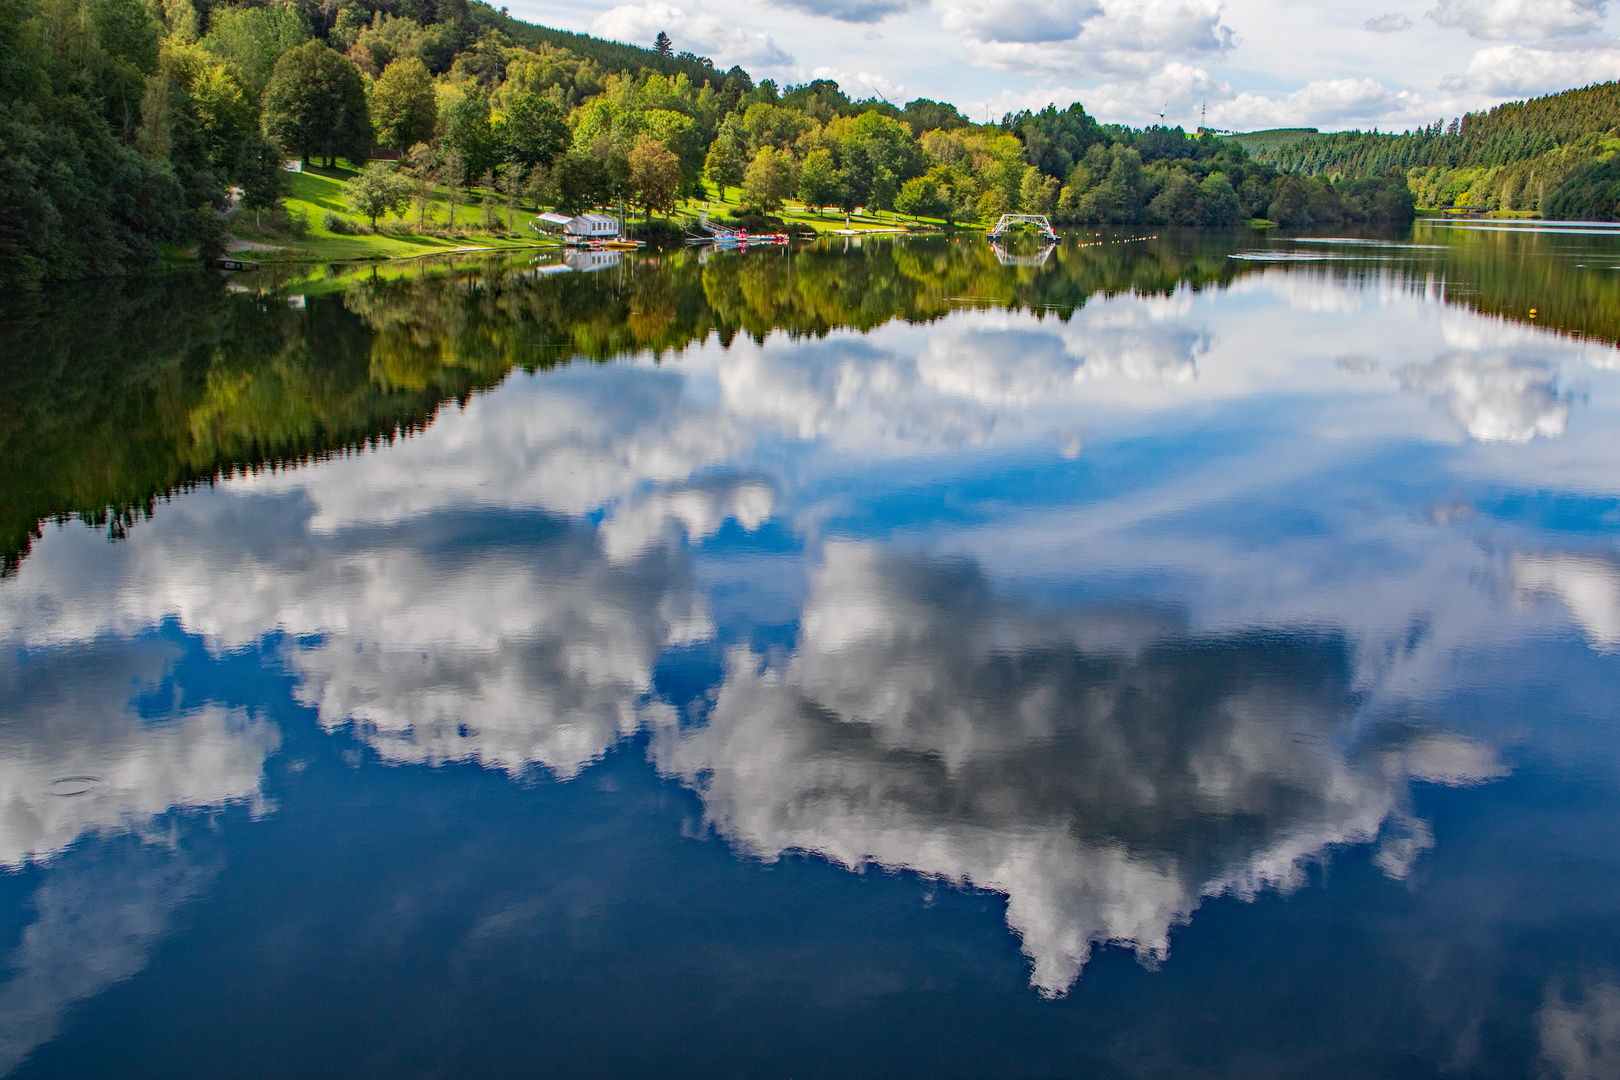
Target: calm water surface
column 1164, row 656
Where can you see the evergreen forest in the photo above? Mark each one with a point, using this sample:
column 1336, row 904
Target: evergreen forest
column 1553, row 155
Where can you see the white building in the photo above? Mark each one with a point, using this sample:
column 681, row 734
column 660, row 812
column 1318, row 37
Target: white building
column 592, row 227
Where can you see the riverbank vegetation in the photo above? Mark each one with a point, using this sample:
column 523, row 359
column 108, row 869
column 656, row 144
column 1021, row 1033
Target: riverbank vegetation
column 128, row 127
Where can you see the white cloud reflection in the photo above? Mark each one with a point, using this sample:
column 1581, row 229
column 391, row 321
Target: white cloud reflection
column 1498, row 398
column 500, row 589
column 95, row 925
column 1588, row 584
column 1096, row 767
column 76, row 759
column 1580, row 1038
column 79, row 762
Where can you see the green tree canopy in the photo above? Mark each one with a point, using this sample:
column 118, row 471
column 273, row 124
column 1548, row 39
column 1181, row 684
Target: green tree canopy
column 379, row 189
column 533, row 131
column 767, row 178
column 725, row 163
column 315, row 104
column 468, row 132
column 818, row 179
column 580, row 181
column 259, row 171
column 655, row 174
column 403, row 107
column 1590, row 193
column 254, row 38
column 920, row 197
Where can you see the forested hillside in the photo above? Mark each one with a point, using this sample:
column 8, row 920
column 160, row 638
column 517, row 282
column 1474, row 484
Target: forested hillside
column 1544, row 154
column 124, row 124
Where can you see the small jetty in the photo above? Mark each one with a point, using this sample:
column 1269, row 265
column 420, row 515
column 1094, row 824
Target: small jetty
column 722, row 237
column 231, row 262
column 1020, row 222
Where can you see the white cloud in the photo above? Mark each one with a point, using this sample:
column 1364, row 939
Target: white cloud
column 1521, row 18
column 1323, row 102
column 524, row 655
column 574, row 447
column 1138, row 101
column 77, row 760
column 855, row 11
column 1515, row 70
column 1392, row 23
column 1016, row 21
column 94, row 925
column 1122, row 36
column 861, row 83
column 699, row 31
column 999, row 366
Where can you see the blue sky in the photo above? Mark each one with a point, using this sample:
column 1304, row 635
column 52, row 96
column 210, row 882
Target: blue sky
column 1254, row 63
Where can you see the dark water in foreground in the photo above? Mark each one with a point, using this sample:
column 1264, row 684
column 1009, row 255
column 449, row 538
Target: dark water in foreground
column 868, row 662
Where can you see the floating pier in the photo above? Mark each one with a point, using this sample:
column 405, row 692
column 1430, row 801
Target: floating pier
column 1009, row 222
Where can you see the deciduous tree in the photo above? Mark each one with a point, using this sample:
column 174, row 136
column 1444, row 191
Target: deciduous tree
column 468, row 132
column 533, row 131
column 403, row 108
column 260, row 174
column 315, row 103
column 725, row 163
column 655, row 174
column 420, row 163
column 378, row 189
column 920, row 198
column 818, row 179
column 254, row 38
column 766, row 179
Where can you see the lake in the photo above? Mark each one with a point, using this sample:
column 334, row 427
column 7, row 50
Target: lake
column 1161, row 655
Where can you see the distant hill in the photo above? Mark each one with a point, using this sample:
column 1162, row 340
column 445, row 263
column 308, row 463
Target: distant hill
column 1561, row 117
column 1510, row 157
column 1257, row 141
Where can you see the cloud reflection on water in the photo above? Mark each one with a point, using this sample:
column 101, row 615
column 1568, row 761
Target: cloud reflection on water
column 79, row 762
column 501, row 587
column 1099, row 767
column 1496, row 397
column 1588, row 584
column 1580, row 1038
column 76, row 759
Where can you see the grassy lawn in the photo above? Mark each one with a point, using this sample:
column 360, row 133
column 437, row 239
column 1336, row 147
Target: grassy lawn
column 796, row 213
column 316, row 191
